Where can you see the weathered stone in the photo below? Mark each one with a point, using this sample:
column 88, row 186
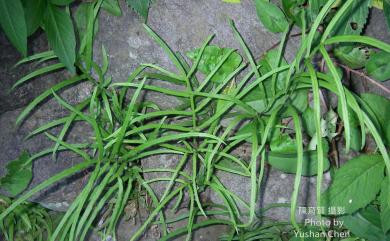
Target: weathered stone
column 9, row 74
column 377, row 27
column 60, row 195
column 184, row 25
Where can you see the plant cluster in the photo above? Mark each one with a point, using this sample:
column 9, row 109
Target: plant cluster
column 28, row 222
column 227, row 100
column 22, row 18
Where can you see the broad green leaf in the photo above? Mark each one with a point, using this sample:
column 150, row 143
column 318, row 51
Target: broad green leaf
column 380, row 106
column 384, row 200
column 356, row 183
column 267, row 63
column 378, row 66
column 33, row 12
column 288, row 162
column 81, row 17
column 356, row 138
column 61, row 2
column 252, row 128
column 13, row 23
column 212, row 55
column 386, row 11
column 271, row 16
column 141, row 7
column 60, row 33
column 19, row 175
column 308, row 122
column 354, row 19
column 353, row 57
column 112, row 6
column 365, row 224
column 283, row 143
column 260, row 105
column 298, row 99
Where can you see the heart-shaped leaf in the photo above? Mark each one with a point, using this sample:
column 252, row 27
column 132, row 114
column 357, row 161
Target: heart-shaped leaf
column 19, row 175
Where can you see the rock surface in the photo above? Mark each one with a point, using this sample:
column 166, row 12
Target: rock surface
column 9, row 74
column 59, row 196
column 184, row 24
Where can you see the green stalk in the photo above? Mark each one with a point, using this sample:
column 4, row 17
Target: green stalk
column 317, row 115
column 341, row 96
column 298, row 174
